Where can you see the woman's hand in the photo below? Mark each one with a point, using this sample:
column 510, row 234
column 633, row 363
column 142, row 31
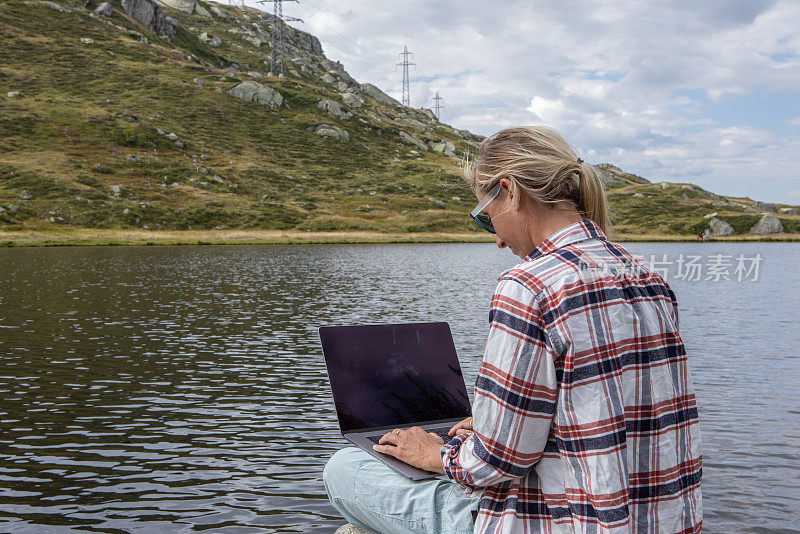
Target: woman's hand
column 465, row 426
column 413, row 446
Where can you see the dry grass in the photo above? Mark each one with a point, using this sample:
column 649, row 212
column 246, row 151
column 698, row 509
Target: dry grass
column 93, row 237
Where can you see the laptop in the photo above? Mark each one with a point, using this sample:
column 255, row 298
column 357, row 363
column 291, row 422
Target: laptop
column 394, row 376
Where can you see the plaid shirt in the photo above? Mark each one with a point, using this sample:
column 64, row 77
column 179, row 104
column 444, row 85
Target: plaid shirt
column 584, row 415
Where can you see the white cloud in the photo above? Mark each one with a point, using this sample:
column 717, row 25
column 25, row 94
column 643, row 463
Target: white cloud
column 621, row 80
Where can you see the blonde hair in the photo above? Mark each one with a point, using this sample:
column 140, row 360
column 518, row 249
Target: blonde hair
column 538, row 161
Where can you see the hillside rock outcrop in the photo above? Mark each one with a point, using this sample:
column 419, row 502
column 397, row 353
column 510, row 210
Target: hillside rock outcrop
column 151, row 16
column 187, row 6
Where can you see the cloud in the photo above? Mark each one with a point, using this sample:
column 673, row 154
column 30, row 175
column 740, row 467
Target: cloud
column 629, row 83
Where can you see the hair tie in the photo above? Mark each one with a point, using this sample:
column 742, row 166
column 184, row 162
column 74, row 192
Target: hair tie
column 580, row 160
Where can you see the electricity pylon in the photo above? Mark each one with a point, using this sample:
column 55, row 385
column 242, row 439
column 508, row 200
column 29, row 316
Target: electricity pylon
column 438, row 106
column 276, row 59
column 405, row 64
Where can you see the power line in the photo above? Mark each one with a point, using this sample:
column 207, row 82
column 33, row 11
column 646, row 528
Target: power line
column 405, row 64
column 438, row 106
column 277, row 60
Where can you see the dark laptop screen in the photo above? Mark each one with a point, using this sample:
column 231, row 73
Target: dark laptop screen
column 386, row 375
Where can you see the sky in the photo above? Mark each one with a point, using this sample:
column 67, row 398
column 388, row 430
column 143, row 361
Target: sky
column 676, row 90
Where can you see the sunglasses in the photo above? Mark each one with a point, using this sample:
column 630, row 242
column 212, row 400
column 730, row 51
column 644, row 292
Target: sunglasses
column 483, row 220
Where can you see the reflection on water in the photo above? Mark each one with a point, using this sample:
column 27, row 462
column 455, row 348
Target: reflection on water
column 176, row 389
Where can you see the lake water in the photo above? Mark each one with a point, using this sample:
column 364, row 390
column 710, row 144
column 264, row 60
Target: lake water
column 181, row 389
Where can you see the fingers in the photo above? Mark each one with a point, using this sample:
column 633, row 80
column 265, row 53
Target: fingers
column 466, row 425
column 390, row 437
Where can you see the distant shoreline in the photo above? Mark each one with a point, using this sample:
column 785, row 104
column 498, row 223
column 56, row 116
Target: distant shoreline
column 94, row 237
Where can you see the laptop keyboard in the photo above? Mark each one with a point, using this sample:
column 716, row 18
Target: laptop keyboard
column 441, row 432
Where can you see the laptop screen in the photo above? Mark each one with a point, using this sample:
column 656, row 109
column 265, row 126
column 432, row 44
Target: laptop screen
column 394, row 374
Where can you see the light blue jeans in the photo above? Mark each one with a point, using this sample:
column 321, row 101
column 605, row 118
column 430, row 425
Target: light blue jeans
column 370, row 495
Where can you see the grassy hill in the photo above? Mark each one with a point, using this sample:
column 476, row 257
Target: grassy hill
column 106, row 125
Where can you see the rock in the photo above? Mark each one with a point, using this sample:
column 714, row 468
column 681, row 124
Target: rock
column 218, row 179
column 721, row 203
column 664, row 185
column 327, row 78
column 116, row 190
column 150, row 15
column 790, row 211
column 414, row 123
column 204, row 157
column 763, row 206
column 24, row 195
column 13, row 94
column 179, row 144
column 328, row 130
column 334, row 109
column 103, row 9
column 254, row 74
column 684, row 196
column 769, row 224
column 218, row 90
column 187, row 6
column 608, row 177
column 352, row 100
column 87, row 40
column 255, row 92
column 342, row 86
column 133, row 159
column 200, row 81
column 430, row 114
column 126, row 211
column 719, row 227
column 57, row 7
column 410, row 139
column 445, row 147
column 200, row 10
column 172, row 136
column 435, row 201
column 202, row 170
column 2, row 210
column 379, row 95
column 209, row 39
column 637, row 195
column 710, row 215
column 749, row 209
column 13, row 208
column 97, row 167
column 216, row 10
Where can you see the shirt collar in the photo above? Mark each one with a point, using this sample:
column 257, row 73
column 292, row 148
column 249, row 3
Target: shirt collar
column 573, row 233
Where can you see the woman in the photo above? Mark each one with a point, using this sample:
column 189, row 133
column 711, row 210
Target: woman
column 584, row 414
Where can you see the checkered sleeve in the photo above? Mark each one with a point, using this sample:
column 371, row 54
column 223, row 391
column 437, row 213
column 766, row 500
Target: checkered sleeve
column 515, row 395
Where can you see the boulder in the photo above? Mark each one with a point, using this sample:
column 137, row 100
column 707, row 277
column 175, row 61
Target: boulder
column 57, row 7
column 150, row 16
column 719, row 227
column 379, row 95
column 87, row 40
column 254, row 74
column 445, row 147
column 13, row 94
column 352, row 100
column 768, row 224
column 664, row 185
column 211, row 40
column 218, row 11
column 116, row 190
column 328, row 130
column 334, row 109
column 327, row 78
column 790, row 211
column 411, row 140
column 255, row 92
column 24, row 195
column 200, row 81
column 103, row 9
column 608, row 177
